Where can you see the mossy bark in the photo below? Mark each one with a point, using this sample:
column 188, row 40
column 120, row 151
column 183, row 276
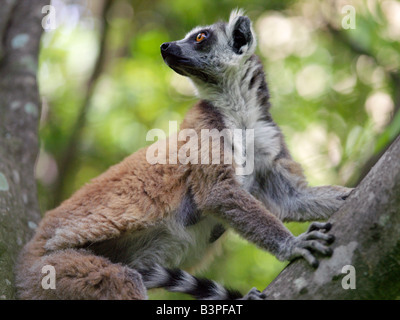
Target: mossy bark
column 367, row 231
column 20, row 31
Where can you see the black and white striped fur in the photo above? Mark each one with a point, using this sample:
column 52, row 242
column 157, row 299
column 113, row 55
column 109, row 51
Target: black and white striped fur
column 176, row 280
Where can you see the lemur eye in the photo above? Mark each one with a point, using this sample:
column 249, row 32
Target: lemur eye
column 200, row 37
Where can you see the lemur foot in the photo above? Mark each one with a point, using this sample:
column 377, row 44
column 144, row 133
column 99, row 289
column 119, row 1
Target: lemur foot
column 344, row 193
column 306, row 243
column 336, row 198
column 254, row 294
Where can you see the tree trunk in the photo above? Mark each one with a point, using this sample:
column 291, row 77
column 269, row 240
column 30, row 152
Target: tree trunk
column 20, row 31
column 367, row 231
column 367, row 227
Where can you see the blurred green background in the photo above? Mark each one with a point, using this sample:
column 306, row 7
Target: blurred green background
column 335, row 94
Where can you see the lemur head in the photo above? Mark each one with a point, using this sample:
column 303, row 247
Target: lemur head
column 210, row 54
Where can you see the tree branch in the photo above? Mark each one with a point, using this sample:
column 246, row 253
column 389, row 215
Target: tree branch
column 19, row 115
column 5, row 17
column 367, row 232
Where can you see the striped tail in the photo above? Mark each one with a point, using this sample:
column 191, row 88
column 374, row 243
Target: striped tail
column 177, row 280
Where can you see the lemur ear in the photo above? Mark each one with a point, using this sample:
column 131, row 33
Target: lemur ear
column 241, row 33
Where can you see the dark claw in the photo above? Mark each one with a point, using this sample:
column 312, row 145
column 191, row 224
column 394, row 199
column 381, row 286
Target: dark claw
column 329, row 252
column 331, row 239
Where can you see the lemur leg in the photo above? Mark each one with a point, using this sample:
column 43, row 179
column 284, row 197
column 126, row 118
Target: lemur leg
column 80, row 275
column 100, row 225
column 254, row 222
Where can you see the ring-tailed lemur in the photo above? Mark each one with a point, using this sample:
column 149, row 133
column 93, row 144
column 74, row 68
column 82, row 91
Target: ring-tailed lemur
column 130, row 228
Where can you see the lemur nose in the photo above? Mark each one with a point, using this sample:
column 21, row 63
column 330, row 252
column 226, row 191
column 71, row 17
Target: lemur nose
column 165, row 46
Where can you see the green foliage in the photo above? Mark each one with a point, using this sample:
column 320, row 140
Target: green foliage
column 334, row 93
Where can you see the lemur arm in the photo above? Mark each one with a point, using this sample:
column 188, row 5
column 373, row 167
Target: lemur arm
column 254, row 222
column 316, row 203
column 288, row 189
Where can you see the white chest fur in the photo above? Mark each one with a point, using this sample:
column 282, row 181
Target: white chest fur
column 258, row 153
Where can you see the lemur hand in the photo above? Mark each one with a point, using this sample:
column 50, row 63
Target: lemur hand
column 308, row 242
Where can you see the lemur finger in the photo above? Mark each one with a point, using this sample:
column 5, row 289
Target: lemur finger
column 329, row 238
column 307, row 255
column 318, row 247
column 320, row 226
